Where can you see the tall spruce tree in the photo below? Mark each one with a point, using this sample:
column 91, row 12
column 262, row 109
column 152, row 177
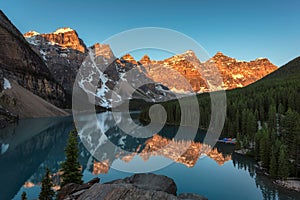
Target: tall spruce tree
column 292, row 135
column 283, row 165
column 264, row 149
column 46, row 191
column 257, row 138
column 273, row 163
column 272, row 117
column 71, row 168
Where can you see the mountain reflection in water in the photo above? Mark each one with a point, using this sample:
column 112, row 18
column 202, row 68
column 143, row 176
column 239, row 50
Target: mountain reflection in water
column 31, row 146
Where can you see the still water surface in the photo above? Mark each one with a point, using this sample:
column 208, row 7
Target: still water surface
column 33, row 144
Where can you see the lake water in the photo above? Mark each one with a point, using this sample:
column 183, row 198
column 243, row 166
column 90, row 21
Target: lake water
column 33, row 144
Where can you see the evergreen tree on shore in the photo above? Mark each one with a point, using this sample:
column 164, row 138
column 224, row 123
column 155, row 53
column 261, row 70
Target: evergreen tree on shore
column 71, row 168
column 283, row 167
column 46, row 191
column 24, row 197
column 264, row 149
column 273, row 163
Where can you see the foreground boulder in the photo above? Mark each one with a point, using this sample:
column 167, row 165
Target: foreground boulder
column 124, row 192
column 136, row 187
column 149, row 182
column 73, row 190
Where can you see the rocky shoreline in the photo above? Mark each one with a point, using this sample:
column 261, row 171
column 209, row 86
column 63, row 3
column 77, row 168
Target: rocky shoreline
column 139, row 186
column 289, row 184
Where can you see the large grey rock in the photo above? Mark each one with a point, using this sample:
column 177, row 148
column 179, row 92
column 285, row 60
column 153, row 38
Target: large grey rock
column 124, row 192
column 73, row 190
column 136, row 187
column 67, row 190
column 150, row 182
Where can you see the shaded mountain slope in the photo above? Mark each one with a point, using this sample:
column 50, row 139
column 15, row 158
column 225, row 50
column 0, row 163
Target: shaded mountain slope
column 20, row 63
column 27, row 88
column 25, row 104
column 291, row 70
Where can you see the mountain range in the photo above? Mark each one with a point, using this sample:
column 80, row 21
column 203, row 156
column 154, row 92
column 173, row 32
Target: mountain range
column 64, row 52
column 63, row 49
column 41, row 70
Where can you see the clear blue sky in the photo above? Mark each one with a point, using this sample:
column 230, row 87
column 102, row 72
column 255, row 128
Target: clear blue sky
column 239, row 28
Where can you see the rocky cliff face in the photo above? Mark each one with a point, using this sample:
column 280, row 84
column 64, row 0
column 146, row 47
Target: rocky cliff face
column 63, row 52
column 180, row 73
column 119, row 81
column 66, row 38
column 237, row 73
column 103, row 54
column 20, row 63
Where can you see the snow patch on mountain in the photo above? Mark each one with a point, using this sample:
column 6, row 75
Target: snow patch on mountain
column 237, row 76
column 7, row 84
column 179, row 91
column 43, row 54
column 31, row 40
column 63, row 30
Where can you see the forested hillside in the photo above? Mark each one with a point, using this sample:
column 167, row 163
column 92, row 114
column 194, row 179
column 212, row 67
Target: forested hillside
column 264, row 117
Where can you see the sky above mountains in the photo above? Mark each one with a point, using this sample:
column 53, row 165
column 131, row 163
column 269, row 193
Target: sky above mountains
column 241, row 29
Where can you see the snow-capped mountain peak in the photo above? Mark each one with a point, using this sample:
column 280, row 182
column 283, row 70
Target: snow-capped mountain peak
column 31, row 34
column 63, row 30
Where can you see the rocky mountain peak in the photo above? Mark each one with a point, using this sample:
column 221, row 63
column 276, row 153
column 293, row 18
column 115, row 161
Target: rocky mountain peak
column 145, row 59
column 219, row 56
column 237, row 73
column 189, row 53
column 262, row 60
column 188, row 56
column 31, row 34
column 63, row 30
column 63, row 37
column 129, row 58
column 103, row 50
column 219, row 53
column 222, row 60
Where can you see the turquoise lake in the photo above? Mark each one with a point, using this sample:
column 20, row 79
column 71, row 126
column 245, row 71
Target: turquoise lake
column 34, row 144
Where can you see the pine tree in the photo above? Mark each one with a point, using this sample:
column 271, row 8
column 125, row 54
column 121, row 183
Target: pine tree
column 257, row 138
column 291, row 135
column 272, row 117
column 71, row 167
column 24, row 197
column 238, row 145
column 281, row 109
column 273, row 163
column 46, row 191
column 251, row 124
column 283, row 166
column 244, row 121
column 264, row 149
